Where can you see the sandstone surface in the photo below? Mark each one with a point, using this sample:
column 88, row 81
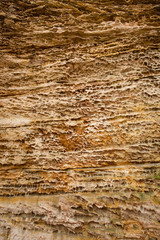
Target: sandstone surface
column 79, row 120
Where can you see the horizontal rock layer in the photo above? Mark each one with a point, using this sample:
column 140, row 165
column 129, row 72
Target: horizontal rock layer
column 79, row 119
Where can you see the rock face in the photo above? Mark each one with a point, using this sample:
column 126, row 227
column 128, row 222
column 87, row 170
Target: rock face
column 79, row 120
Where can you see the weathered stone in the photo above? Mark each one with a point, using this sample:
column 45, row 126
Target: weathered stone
column 79, row 120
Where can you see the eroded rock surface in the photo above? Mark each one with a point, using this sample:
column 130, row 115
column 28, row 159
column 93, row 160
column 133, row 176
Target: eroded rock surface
column 79, row 120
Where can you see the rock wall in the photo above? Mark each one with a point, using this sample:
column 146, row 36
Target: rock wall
column 79, row 120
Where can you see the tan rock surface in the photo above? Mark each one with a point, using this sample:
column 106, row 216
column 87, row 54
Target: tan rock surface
column 79, row 120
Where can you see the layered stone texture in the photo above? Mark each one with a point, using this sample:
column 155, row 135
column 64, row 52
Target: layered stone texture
column 79, row 120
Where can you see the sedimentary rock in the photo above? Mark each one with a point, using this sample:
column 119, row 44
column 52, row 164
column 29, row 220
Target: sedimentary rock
column 79, row 120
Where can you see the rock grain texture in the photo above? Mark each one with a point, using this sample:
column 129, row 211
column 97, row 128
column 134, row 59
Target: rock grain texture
column 79, row 120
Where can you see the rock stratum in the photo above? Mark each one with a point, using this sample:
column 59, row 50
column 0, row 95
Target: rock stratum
column 79, row 120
